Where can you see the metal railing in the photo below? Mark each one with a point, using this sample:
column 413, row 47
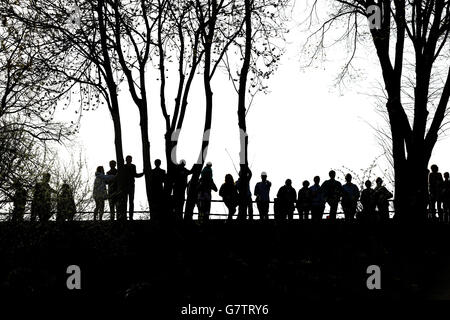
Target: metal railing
column 145, row 214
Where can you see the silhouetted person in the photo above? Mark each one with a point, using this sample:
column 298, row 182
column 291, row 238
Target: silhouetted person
column 42, row 200
column 286, row 198
column 304, row 201
column 262, row 193
column 99, row 192
column 368, row 202
column 113, row 191
column 19, row 201
column 332, row 191
column 350, row 196
column 179, row 188
column 206, row 173
column 158, row 178
column 317, row 200
column 206, row 184
column 229, row 193
column 435, row 184
column 122, row 182
column 249, row 200
column 382, row 196
column 65, row 204
column 445, row 197
column 128, row 175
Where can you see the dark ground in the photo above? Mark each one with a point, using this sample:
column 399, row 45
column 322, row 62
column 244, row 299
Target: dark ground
column 167, row 267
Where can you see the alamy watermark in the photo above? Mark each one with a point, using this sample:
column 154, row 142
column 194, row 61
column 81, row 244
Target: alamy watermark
column 74, row 20
column 374, row 280
column 374, row 16
column 74, row 279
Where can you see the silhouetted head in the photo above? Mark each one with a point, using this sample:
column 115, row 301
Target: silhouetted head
column 229, row 179
column 182, row 163
column 332, row 174
column 379, row 181
column 288, row 182
column 368, row 184
column 434, row 168
column 112, row 164
column 128, row 159
column 100, row 169
column 446, row 175
column 157, row 163
column 306, row 183
column 209, row 164
column 263, row 176
column 46, row 177
column 348, row 177
column 316, row 180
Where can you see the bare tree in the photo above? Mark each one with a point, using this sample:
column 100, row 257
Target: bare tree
column 74, row 33
column 178, row 40
column 220, row 23
column 259, row 46
column 29, row 94
column 403, row 31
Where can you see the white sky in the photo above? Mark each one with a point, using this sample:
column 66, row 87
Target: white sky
column 304, row 127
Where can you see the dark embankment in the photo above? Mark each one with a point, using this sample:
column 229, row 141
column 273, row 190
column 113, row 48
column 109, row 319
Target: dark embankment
column 255, row 263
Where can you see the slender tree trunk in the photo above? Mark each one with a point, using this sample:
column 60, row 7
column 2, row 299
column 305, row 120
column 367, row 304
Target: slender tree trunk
column 117, row 131
column 112, row 86
column 196, row 169
column 244, row 177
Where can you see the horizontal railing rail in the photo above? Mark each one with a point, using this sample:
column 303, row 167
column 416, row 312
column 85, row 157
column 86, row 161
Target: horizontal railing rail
column 212, row 214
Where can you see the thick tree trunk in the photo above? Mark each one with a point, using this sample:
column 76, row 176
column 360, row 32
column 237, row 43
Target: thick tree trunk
column 171, row 166
column 411, row 192
column 244, row 178
column 117, row 132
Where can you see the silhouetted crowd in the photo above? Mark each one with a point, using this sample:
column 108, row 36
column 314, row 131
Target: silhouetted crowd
column 118, row 188
column 310, row 201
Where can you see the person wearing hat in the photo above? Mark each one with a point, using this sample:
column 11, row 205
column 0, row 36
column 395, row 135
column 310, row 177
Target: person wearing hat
column 206, row 174
column 262, row 193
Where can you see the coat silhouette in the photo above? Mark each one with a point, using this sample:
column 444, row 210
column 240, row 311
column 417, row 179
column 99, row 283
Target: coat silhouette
column 179, row 188
column 304, row 201
column 382, row 196
column 65, row 204
column 350, row 196
column 368, row 202
column 445, row 197
column 262, row 193
column 113, row 191
column 287, row 197
column 204, row 198
column 435, row 186
column 317, row 200
column 229, row 193
column 332, row 191
column 42, row 200
column 129, row 174
column 19, row 201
